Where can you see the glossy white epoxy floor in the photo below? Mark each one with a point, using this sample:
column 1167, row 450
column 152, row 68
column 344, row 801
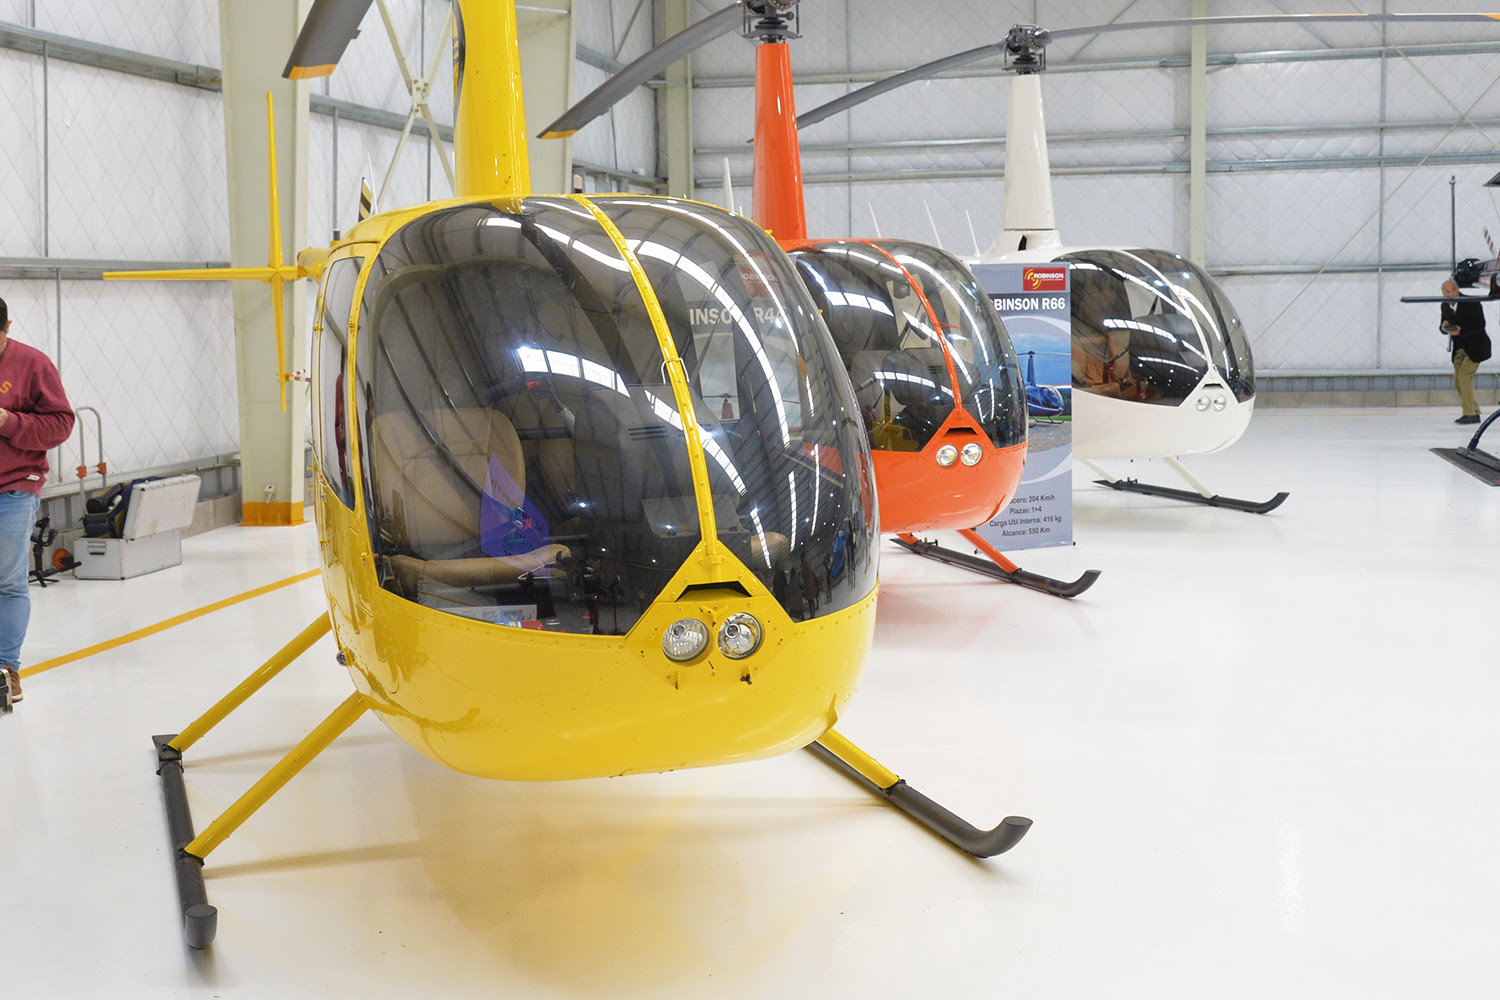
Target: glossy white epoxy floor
column 1262, row 756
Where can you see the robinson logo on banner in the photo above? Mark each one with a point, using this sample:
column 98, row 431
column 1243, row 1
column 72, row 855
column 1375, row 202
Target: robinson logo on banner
column 1035, row 304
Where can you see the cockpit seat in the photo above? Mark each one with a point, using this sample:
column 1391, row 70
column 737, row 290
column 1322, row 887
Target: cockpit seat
column 433, row 469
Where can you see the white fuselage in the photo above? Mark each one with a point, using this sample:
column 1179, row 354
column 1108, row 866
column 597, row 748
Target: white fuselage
column 1106, row 427
column 1103, row 426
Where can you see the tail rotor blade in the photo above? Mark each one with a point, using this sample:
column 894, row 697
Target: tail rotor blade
column 615, row 89
column 330, row 26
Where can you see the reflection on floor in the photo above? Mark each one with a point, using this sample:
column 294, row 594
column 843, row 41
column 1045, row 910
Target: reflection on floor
column 1261, row 756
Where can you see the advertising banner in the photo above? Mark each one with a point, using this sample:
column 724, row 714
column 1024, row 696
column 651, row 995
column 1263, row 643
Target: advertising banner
column 1033, row 299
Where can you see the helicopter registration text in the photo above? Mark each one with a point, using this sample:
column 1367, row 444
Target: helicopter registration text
column 718, row 316
column 1030, row 303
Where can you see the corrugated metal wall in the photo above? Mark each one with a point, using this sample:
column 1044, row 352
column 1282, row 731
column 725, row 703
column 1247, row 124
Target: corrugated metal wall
column 1298, row 123
column 1314, row 140
column 106, row 164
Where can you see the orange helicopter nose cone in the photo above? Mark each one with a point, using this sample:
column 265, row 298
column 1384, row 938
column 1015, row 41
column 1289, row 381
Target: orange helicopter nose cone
column 918, row 493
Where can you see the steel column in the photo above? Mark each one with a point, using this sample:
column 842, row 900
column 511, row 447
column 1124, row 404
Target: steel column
column 679, row 98
column 1198, row 142
column 255, row 39
column 548, row 38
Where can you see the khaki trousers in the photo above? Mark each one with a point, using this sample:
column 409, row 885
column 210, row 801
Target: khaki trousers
column 1463, row 381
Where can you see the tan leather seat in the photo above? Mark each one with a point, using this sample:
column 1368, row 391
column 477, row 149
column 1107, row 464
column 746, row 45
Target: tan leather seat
column 430, row 509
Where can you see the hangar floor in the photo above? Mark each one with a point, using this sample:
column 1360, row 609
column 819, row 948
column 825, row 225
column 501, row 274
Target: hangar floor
column 1261, row 755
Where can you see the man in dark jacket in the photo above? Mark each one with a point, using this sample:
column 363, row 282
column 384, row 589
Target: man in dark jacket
column 1463, row 322
column 34, row 416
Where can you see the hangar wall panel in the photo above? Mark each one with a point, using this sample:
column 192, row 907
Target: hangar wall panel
column 157, row 361
column 1297, row 217
column 625, row 136
column 187, row 30
column 134, row 170
column 137, row 168
column 1294, row 93
column 1296, row 182
column 1410, row 337
column 1328, row 325
column 21, row 155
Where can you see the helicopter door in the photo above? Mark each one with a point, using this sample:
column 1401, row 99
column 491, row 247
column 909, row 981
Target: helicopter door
column 330, row 368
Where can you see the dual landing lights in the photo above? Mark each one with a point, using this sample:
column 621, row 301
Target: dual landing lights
column 200, row 919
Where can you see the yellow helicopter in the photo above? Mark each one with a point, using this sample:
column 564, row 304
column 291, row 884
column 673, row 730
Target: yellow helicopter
column 592, row 492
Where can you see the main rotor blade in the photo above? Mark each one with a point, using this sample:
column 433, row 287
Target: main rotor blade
column 1224, row 19
column 939, row 65
column 330, row 26
column 879, row 87
column 615, row 89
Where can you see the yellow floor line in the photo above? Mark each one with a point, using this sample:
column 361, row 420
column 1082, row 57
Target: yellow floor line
column 162, row 626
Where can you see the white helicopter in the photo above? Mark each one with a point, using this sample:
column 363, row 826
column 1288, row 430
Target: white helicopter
column 1162, row 366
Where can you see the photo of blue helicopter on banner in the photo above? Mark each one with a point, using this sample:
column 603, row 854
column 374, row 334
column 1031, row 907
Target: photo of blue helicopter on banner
column 1034, row 302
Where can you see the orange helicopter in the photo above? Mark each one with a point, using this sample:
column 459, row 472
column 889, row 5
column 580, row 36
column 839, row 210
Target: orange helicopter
column 938, row 382
column 546, row 554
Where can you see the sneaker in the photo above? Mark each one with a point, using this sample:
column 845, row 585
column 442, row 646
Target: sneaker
column 15, row 684
column 1468, row 418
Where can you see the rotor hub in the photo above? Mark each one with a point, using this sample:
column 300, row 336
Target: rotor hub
column 772, row 20
column 1026, row 48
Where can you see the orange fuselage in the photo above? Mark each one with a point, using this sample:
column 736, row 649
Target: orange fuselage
column 916, row 494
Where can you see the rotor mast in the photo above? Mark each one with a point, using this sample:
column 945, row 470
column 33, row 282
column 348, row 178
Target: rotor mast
column 1030, row 222
column 778, row 203
column 489, row 130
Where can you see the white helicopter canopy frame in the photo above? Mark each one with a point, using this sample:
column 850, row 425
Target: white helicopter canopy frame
column 419, row 88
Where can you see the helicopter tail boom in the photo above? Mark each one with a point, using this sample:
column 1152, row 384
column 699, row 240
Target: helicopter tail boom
column 873, row 776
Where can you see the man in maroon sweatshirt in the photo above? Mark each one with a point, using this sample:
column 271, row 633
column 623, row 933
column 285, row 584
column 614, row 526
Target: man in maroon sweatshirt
column 34, row 416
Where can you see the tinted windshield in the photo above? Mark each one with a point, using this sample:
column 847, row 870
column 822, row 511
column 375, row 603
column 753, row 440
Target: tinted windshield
column 989, row 373
column 524, row 452
column 1132, row 338
column 876, row 300
column 1228, row 346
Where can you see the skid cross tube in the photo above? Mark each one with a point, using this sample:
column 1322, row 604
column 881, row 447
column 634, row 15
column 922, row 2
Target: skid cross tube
column 276, row 778
column 875, row 777
column 997, row 566
column 234, row 699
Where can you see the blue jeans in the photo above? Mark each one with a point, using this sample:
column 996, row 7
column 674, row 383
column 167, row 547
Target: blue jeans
column 17, row 515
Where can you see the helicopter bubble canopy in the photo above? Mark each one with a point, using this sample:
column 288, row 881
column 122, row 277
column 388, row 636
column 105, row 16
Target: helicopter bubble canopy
column 1150, row 326
column 880, row 299
column 526, row 461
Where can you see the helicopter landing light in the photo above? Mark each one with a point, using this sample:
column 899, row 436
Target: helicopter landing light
column 971, row 453
column 947, row 455
column 1219, row 403
column 739, row 636
column 1202, row 404
column 684, row 639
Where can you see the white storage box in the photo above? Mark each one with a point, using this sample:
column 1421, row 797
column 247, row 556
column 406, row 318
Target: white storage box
column 152, row 536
